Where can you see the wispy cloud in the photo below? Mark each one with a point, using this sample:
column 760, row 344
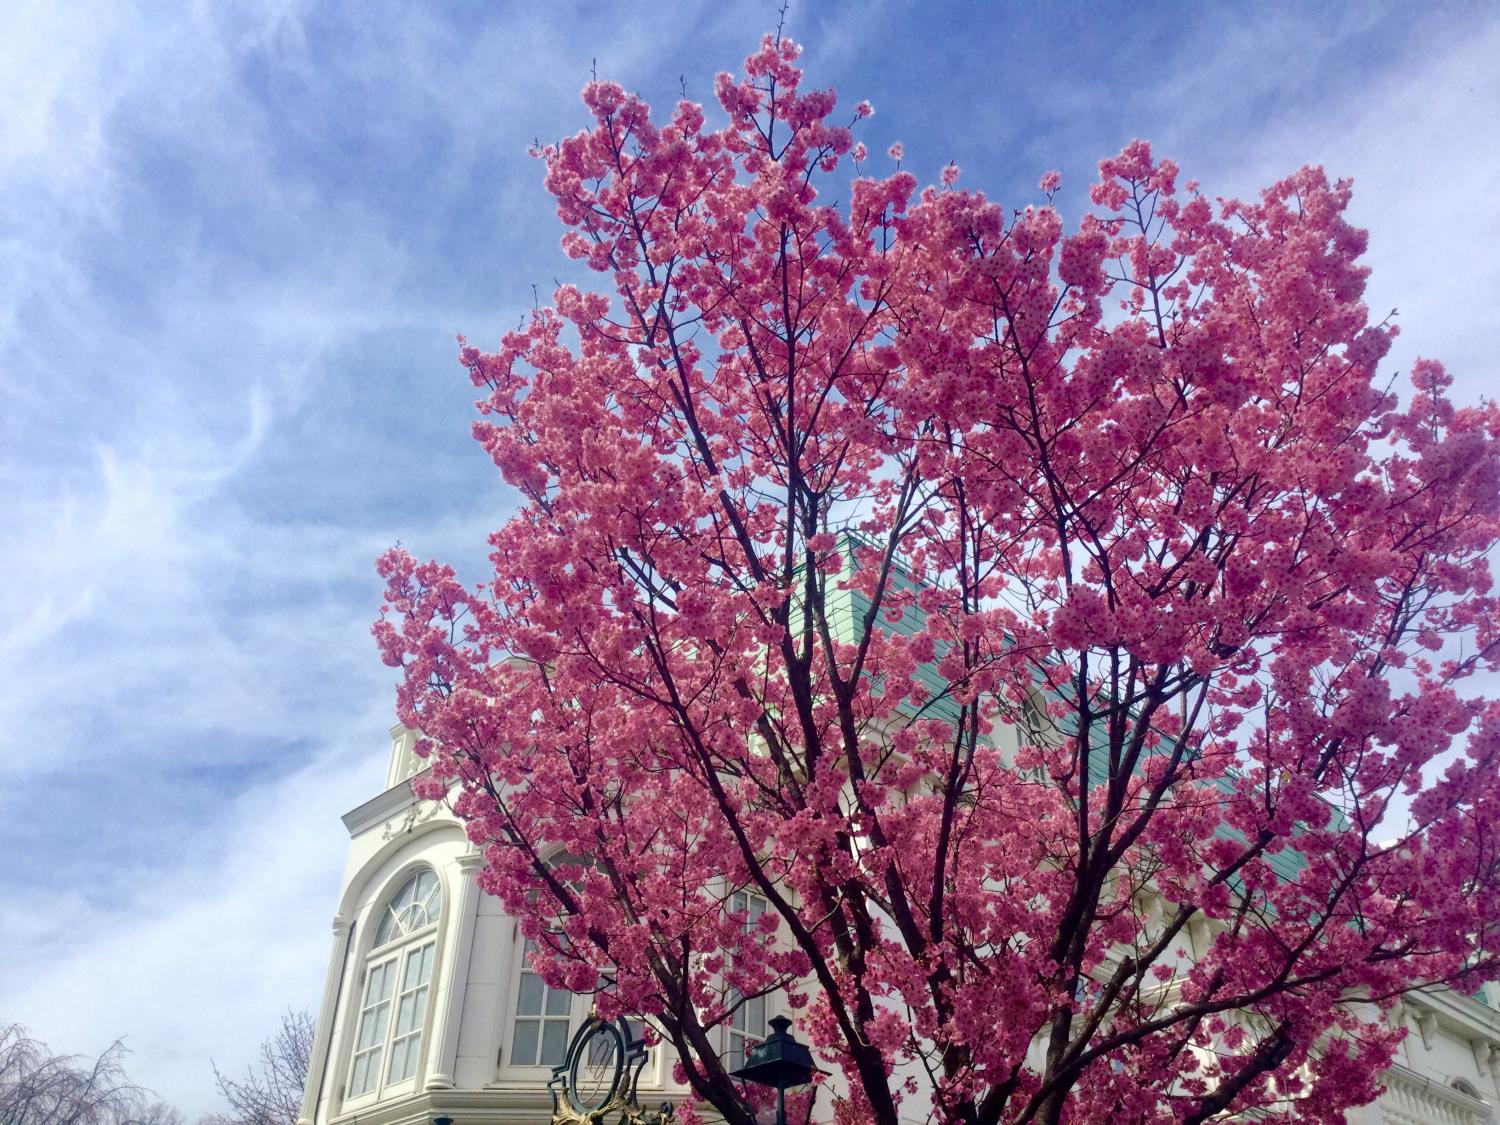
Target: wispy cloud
column 236, row 241
column 213, row 942
column 1418, row 139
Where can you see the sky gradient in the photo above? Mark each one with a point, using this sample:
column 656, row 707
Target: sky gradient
column 237, row 241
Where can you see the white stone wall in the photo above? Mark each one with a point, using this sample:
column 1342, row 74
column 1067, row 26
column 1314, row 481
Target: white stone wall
column 1447, row 1070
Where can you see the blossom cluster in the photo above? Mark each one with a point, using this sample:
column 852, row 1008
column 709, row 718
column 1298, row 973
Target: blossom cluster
column 1047, row 626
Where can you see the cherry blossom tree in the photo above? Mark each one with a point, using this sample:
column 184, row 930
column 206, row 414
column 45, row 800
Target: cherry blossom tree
column 1071, row 638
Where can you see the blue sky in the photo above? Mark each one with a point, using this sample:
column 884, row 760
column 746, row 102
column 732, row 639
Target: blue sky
column 236, row 243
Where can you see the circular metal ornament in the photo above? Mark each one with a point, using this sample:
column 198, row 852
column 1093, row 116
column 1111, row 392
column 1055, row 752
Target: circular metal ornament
column 598, row 1076
column 596, row 1067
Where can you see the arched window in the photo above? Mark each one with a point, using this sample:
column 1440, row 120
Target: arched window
column 1463, row 1086
column 397, row 985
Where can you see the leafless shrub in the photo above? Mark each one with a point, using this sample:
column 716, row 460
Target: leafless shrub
column 271, row 1092
column 38, row 1087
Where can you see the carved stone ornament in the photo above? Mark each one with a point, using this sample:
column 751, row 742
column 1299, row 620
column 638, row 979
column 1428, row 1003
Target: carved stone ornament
column 419, row 813
column 597, row 1080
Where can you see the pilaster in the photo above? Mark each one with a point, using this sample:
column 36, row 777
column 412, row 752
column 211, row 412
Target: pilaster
column 444, row 1047
column 343, row 928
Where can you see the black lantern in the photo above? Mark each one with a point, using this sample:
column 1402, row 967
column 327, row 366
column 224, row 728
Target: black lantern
column 779, row 1062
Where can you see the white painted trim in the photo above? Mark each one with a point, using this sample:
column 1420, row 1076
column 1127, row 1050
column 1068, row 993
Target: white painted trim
column 317, row 1075
column 341, row 1057
column 449, row 1018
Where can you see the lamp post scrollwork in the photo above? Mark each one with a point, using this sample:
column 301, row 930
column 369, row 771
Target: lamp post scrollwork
column 597, row 1079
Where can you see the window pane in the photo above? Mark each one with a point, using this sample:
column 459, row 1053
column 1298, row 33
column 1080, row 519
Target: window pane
column 389, row 929
column 554, row 1042
column 375, row 1021
column 367, row 1031
column 361, row 1077
column 529, row 998
column 376, row 1007
column 746, row 1025
column 408, row 890
column 379, row 986
column 418, row 967
column 559, row 1002
column 419, row 1002
column 406, row 1013
column 404, row 1058
column 398, row 1059
column 523, row 1043
column 427, row 897
column 416, row 903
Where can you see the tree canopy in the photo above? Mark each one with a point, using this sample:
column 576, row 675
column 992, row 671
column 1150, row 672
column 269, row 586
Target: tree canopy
column 834, row 483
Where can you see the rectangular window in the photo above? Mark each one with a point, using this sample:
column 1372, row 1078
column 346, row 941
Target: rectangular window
column 540, row 1034
column 411, row 1006
column 374, row 1012
column 747, row 1023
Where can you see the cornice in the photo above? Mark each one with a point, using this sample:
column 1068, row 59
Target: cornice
column 464, row 1107
column 1471, row 1018
column 397, row 799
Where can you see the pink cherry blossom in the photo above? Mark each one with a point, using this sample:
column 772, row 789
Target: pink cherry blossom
column 1013, row 605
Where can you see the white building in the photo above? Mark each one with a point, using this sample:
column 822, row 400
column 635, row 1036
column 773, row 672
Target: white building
column 429, row 1012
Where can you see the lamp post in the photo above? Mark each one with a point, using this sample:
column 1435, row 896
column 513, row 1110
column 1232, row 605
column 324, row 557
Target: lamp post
column 779, row 1062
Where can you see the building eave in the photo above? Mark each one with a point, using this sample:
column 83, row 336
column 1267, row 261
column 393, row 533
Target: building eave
column 398, row 798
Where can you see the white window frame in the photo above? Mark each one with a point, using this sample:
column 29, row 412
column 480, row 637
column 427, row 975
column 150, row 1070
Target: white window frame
column 749, row 1023
column 580, row 1004
column 579, row 1007
column 407, row 999
column 571, row 1017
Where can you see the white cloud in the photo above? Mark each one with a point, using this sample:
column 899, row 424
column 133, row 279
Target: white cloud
column 194, row 331
column 191, row 330
column 190, row 692
column 1418, row 139
column 222, row 936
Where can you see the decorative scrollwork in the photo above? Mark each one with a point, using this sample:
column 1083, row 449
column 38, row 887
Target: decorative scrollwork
column 418, row 813
column 598, row 1078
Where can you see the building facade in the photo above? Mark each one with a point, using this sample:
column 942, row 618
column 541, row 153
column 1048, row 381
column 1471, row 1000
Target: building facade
column 429, row 1010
